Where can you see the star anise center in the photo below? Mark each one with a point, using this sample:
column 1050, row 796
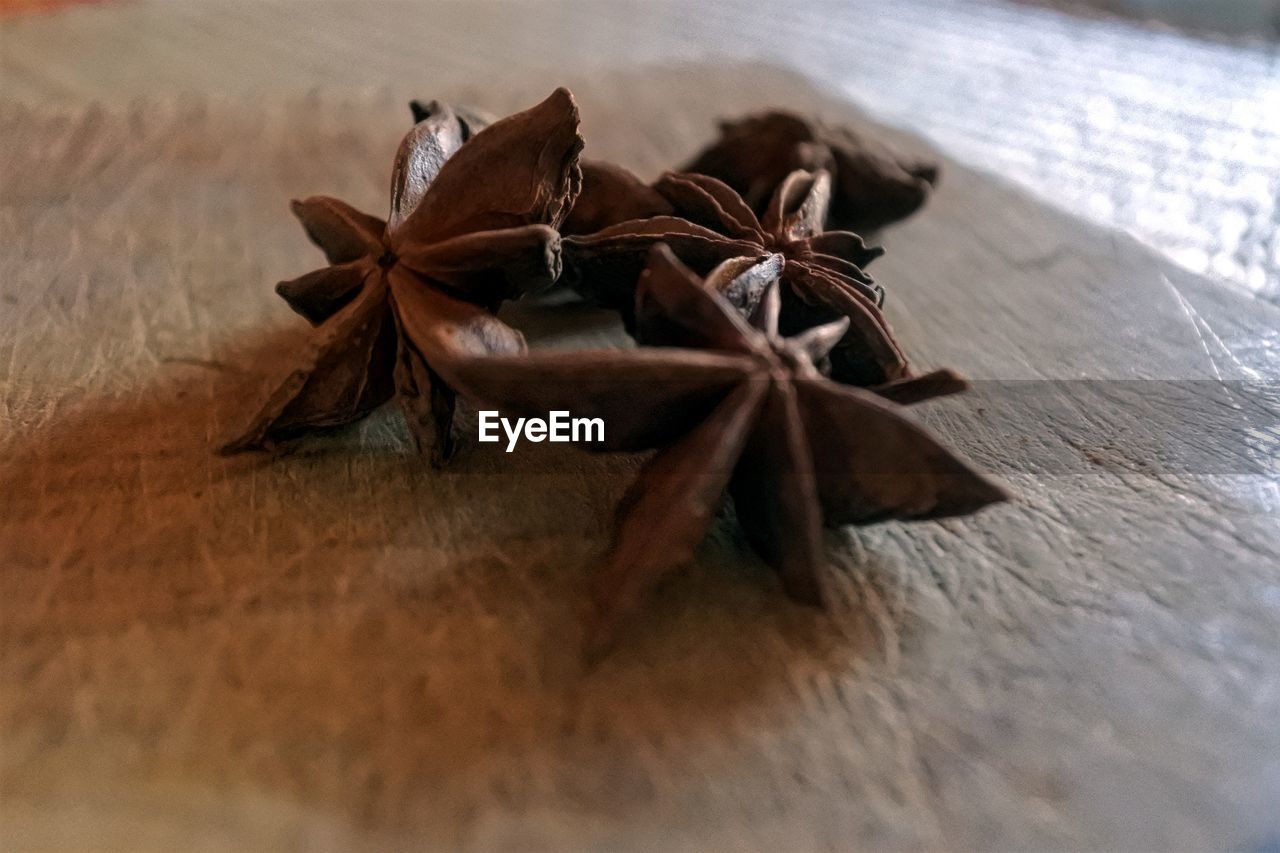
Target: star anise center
column 795, row 362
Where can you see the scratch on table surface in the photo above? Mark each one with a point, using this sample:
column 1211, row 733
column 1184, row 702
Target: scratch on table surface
column 53, row 579
column 209, row 363
column 1200, row 326
column 922, row 787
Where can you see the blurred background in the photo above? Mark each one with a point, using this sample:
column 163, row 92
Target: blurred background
column 1160, row 117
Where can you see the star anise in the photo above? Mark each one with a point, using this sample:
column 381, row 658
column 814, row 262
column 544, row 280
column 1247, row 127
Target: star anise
column 823, row 275
column 471, row 224
column 874, row 185
column 471, row 119
column 737, row 406
column 610, row 193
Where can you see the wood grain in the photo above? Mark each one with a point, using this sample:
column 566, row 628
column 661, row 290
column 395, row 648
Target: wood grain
column 1147, row 129
column 341, row 649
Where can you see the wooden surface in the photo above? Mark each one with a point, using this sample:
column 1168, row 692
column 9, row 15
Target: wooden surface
column 341, row 649
column 1164, row 135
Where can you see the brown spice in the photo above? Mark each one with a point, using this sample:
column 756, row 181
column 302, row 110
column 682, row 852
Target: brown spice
column 874, row 185
column 611, row 194
column 470, row 225
column 822, row 273
column 734, row 405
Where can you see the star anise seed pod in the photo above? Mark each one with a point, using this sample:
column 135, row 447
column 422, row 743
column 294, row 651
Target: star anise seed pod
column 471, row 119
column 470, row 225
column 611, row 194
column 874, row 185
column 823, row 275
column 737, row 406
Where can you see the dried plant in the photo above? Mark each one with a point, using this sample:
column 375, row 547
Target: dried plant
column 874, row 185
column 735, row 405
column 739, row 299
column 822, row 275
column 470, row 225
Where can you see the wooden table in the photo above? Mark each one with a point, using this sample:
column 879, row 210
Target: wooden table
column 342, row 649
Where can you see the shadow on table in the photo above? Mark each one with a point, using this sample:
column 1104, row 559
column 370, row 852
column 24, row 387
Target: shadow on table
column 344, row 628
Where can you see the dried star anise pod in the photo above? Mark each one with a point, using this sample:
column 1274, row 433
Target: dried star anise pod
column 470, row 119
column 737, row 406
column 823, row 276
column 470, row 225
column 874, row 185
column 609, row 194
